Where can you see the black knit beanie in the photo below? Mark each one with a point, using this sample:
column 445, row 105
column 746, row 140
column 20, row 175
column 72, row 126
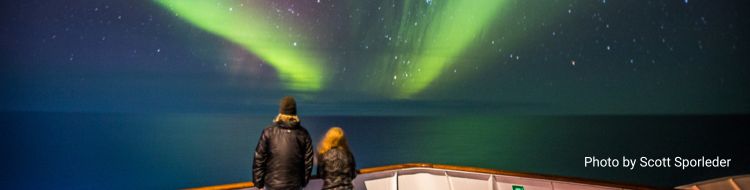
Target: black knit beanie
column 288, row 106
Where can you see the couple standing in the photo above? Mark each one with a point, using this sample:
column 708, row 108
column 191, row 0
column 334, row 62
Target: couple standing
column 284, row 154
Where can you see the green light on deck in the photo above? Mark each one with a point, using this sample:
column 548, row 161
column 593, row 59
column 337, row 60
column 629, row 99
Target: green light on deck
column 517, row 187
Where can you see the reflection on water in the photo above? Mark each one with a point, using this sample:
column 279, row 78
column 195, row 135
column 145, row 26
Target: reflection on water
column 126, row 151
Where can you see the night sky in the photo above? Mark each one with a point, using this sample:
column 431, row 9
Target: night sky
column 376, row 57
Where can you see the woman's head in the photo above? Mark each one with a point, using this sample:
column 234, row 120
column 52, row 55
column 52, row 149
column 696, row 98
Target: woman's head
column 333, row 138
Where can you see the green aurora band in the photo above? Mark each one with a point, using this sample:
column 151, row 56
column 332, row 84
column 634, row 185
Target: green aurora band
column 299, row 69
column 430, row 37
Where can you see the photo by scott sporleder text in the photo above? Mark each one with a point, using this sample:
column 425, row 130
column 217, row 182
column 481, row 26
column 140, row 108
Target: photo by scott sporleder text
column 661, row 162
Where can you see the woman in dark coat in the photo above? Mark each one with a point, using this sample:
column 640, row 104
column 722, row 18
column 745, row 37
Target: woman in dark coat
column 335, row 161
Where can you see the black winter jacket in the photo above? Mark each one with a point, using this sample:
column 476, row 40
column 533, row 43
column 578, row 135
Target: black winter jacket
column 337, row 169
column 283, row 157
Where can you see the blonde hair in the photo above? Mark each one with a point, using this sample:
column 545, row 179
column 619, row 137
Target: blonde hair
column 333, row 138
column 285, row 118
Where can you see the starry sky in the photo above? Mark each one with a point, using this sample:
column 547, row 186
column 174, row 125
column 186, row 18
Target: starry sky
column 385, row 57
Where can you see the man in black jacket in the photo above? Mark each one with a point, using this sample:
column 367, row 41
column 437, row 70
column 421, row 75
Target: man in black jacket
column 284, row 154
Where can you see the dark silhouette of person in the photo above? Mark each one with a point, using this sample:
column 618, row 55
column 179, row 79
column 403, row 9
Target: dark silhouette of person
column 284, row 154
column 336, row 164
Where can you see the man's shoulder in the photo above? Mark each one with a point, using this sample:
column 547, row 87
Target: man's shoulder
column 275, row 126
column 302, row 128
column 269, row 128
column 304, row 131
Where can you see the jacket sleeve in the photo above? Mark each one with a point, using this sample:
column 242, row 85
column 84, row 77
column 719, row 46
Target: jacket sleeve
column 259, row 162
column 308, row 159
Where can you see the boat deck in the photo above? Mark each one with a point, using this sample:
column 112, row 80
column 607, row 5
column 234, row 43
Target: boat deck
column 447, row 177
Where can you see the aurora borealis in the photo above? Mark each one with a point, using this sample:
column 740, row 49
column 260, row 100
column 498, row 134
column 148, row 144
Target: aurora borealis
column 426, row 50
column 379, row 57
column 299, row 69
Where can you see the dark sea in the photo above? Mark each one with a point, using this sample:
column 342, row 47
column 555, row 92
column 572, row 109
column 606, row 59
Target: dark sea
column 171, row 151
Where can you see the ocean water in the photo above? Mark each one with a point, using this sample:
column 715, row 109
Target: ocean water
column 170, row 151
